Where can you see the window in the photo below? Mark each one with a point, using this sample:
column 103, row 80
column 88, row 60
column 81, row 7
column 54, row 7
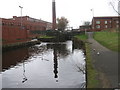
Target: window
column 110, row 21
column 97, row 22
column 12, row 24
column 106, row 22
column 98, row 26
column 106, row 26
column 3, row 23
column 117, row 21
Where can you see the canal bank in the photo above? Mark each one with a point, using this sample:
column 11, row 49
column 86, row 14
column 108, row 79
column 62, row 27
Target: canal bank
column 12, row 46
column 91, row 74
column 102, row 65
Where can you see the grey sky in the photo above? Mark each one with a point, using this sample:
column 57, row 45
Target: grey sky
column 76, row 11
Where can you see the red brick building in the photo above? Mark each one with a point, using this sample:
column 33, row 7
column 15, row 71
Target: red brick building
column 100, row 23
column 13, row 31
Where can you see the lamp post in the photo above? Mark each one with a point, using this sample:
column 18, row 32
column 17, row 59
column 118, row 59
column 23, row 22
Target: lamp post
column 93, row 19
column 21, row 15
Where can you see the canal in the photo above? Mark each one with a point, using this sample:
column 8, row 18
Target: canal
column 45, row 65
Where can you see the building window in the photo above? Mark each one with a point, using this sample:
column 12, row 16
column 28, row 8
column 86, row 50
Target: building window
column 3, row 23
column 106, row 22
column 98, row 26
column 117, row 21
column 97, row 22
column 12, row 24
column 106, row 26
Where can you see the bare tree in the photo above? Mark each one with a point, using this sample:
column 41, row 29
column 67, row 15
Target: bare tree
column 113, row 6
column 62, row 23
column 86, row 23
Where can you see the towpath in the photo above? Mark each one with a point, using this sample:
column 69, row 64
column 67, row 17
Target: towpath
column 106, row 63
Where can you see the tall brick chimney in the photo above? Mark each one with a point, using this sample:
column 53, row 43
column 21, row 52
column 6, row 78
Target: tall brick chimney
column 53, row 15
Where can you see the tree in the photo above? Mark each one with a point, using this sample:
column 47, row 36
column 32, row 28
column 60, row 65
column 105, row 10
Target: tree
column 62, row 23
column 86, row 23
column 115, row 6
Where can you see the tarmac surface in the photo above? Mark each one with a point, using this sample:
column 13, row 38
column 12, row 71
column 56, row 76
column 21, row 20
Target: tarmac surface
column 105, row 62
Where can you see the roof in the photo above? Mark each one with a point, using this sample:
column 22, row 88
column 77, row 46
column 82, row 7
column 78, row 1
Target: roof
column 106, row 17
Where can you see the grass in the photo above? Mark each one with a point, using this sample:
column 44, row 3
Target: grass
column 108, row 39
column 82, row 37
column 46, row 37
column 92, row 81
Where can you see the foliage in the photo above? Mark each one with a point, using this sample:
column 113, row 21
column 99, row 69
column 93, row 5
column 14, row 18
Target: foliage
column 46, row 36
column 86, row 23
column 62, row 23
column 81, row 37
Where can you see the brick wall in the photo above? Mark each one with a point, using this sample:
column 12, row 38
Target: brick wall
column 100, row 23
column 13, row 32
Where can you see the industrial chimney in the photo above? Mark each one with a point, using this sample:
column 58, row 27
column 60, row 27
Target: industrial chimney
column 53, row 15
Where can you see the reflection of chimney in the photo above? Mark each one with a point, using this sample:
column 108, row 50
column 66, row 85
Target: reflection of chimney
column 55, row 64
column 53, row 15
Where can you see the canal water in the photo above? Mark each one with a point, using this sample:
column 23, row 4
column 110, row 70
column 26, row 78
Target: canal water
column 45, row 65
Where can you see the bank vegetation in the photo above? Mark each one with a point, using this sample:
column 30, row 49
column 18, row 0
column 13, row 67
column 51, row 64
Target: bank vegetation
column 91, row 73
column 109, row 39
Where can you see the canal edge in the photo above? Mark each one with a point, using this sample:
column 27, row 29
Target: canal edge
column 92, row 80
column 8, row 47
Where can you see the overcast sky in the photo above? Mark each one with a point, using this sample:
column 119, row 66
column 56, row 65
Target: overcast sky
column 76, row 11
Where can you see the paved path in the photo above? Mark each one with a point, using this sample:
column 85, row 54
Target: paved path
column 106, row 63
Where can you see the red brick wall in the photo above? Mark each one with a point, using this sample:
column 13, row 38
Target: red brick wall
column 111, row 23
column 12, row 31
column 13, row 34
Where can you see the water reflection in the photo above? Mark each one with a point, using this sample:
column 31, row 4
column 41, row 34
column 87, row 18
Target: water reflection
column 55, row 63
column 24, row 76
column 77, row 44
column 40, row 60
column 12, row 58
column 61, row 49
column 58, row 51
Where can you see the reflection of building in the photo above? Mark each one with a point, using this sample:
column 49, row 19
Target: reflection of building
column 12, row 58
column 13, row 32
column 100, row 23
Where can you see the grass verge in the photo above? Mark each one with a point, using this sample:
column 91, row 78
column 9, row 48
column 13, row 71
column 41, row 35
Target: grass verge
column 91, row 73
column 108, row 39
column 82, row 37
column 92, row 81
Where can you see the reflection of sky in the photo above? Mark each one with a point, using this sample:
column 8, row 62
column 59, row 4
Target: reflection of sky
column 39, row 71
column 69, row 72
column 69, row 46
